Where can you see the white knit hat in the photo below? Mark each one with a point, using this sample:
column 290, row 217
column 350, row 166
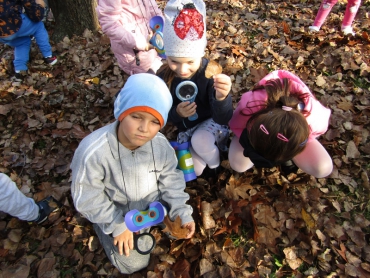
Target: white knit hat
column 184, row 32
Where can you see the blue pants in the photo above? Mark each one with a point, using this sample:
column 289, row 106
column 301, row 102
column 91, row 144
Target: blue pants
column 21, row 42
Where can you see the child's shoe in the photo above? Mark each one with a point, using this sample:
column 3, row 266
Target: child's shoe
column 288, row 167
column 19, row 76
column 313, row 29
column 46, row 209
column 347, row 30
column 52, row 60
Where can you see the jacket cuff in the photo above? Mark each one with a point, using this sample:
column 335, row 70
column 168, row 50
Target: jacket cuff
column 119, row 229
column 186, row 219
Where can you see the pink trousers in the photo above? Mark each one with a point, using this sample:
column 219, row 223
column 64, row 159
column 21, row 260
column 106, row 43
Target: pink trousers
column 327, row 5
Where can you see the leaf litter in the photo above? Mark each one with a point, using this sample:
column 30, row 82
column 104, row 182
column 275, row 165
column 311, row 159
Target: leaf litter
column 254, row 224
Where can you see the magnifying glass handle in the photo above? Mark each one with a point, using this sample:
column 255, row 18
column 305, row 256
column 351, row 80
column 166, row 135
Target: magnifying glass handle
column 193, row 117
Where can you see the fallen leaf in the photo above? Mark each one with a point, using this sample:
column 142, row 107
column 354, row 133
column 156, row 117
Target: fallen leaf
column 174, row 228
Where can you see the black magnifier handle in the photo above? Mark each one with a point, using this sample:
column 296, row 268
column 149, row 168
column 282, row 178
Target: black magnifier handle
column 137, row 59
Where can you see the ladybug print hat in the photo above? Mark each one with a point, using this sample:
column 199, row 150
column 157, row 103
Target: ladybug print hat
column 184, row 32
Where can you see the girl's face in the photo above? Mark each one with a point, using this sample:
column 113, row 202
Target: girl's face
column 184, row 67
column 137, row 128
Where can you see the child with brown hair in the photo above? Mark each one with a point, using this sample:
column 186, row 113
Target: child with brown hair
column 279, row 120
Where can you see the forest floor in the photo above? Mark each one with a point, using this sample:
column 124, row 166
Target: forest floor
column 254, row 224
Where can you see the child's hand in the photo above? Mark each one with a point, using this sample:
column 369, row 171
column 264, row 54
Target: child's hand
column 222, row 85
column 41, row 3
column 191, row 227
column 149, row 45
column 186, row 109
column 124, row 241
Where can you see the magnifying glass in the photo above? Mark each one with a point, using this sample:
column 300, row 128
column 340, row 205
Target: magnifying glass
column 187, row 91
column 144, row 243
column 156, row 24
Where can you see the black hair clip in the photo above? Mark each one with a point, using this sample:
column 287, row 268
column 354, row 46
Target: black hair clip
column 137, row 57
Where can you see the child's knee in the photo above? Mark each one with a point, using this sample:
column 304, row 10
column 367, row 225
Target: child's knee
column 240, row 163
column 324, row 170
column 203, row 142
column 129, row 268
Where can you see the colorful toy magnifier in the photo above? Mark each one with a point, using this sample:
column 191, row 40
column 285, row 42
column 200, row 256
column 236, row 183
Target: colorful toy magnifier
column 187, row 91
column 136, row 220
column 156, row 24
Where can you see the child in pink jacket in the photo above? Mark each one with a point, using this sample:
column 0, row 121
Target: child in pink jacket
column 126, row 23
column 349, row 15
column 277, row 121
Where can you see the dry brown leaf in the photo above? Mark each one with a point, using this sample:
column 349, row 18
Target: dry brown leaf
column 182, row 268
column 4, row 109
column 213, row 68
column 206, row 212
column 17, row 271
column 174, row 228
column 258, row 74
column 292, row 258
column 205, row 266
column 286, row 28
column 345, row 104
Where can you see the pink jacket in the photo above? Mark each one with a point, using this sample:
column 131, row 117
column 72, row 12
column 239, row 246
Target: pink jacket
column 318, row 120
column 126, row 23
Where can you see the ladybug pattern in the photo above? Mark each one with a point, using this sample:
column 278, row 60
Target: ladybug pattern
column 189, row 23
column 184, row 30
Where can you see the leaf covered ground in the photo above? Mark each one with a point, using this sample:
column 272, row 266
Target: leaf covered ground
column 254, row 224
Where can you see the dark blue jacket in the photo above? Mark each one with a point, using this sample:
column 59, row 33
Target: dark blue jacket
column 207, row 105
column 10, row 14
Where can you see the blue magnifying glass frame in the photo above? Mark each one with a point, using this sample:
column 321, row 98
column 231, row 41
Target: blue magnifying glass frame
column 187, row 91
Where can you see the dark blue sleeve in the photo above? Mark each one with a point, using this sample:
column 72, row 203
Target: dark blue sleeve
column 222, row 110
column 33, row 10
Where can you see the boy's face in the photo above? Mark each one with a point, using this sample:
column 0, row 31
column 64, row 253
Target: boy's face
column 184, row 67
column 137, row 128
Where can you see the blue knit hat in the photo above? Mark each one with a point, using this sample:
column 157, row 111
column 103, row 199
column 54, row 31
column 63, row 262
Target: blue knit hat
column 146, row 93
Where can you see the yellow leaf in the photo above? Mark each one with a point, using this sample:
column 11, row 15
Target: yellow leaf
column 96, row 80
column 310, row 222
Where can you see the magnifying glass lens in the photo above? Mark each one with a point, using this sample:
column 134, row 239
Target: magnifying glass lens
column 159, row 41
column 144, row 243
column 187, row 91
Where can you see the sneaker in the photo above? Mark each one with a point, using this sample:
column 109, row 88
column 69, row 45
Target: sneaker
column 19, row 76
column 52, row 60
column 288, row 167
column 348, row 31
column 313, row 29
column 47, row 206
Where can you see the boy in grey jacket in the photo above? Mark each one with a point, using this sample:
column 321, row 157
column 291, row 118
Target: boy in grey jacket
column 127, row 165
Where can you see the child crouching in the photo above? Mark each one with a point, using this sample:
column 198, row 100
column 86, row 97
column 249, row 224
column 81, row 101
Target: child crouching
column 128, row 165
